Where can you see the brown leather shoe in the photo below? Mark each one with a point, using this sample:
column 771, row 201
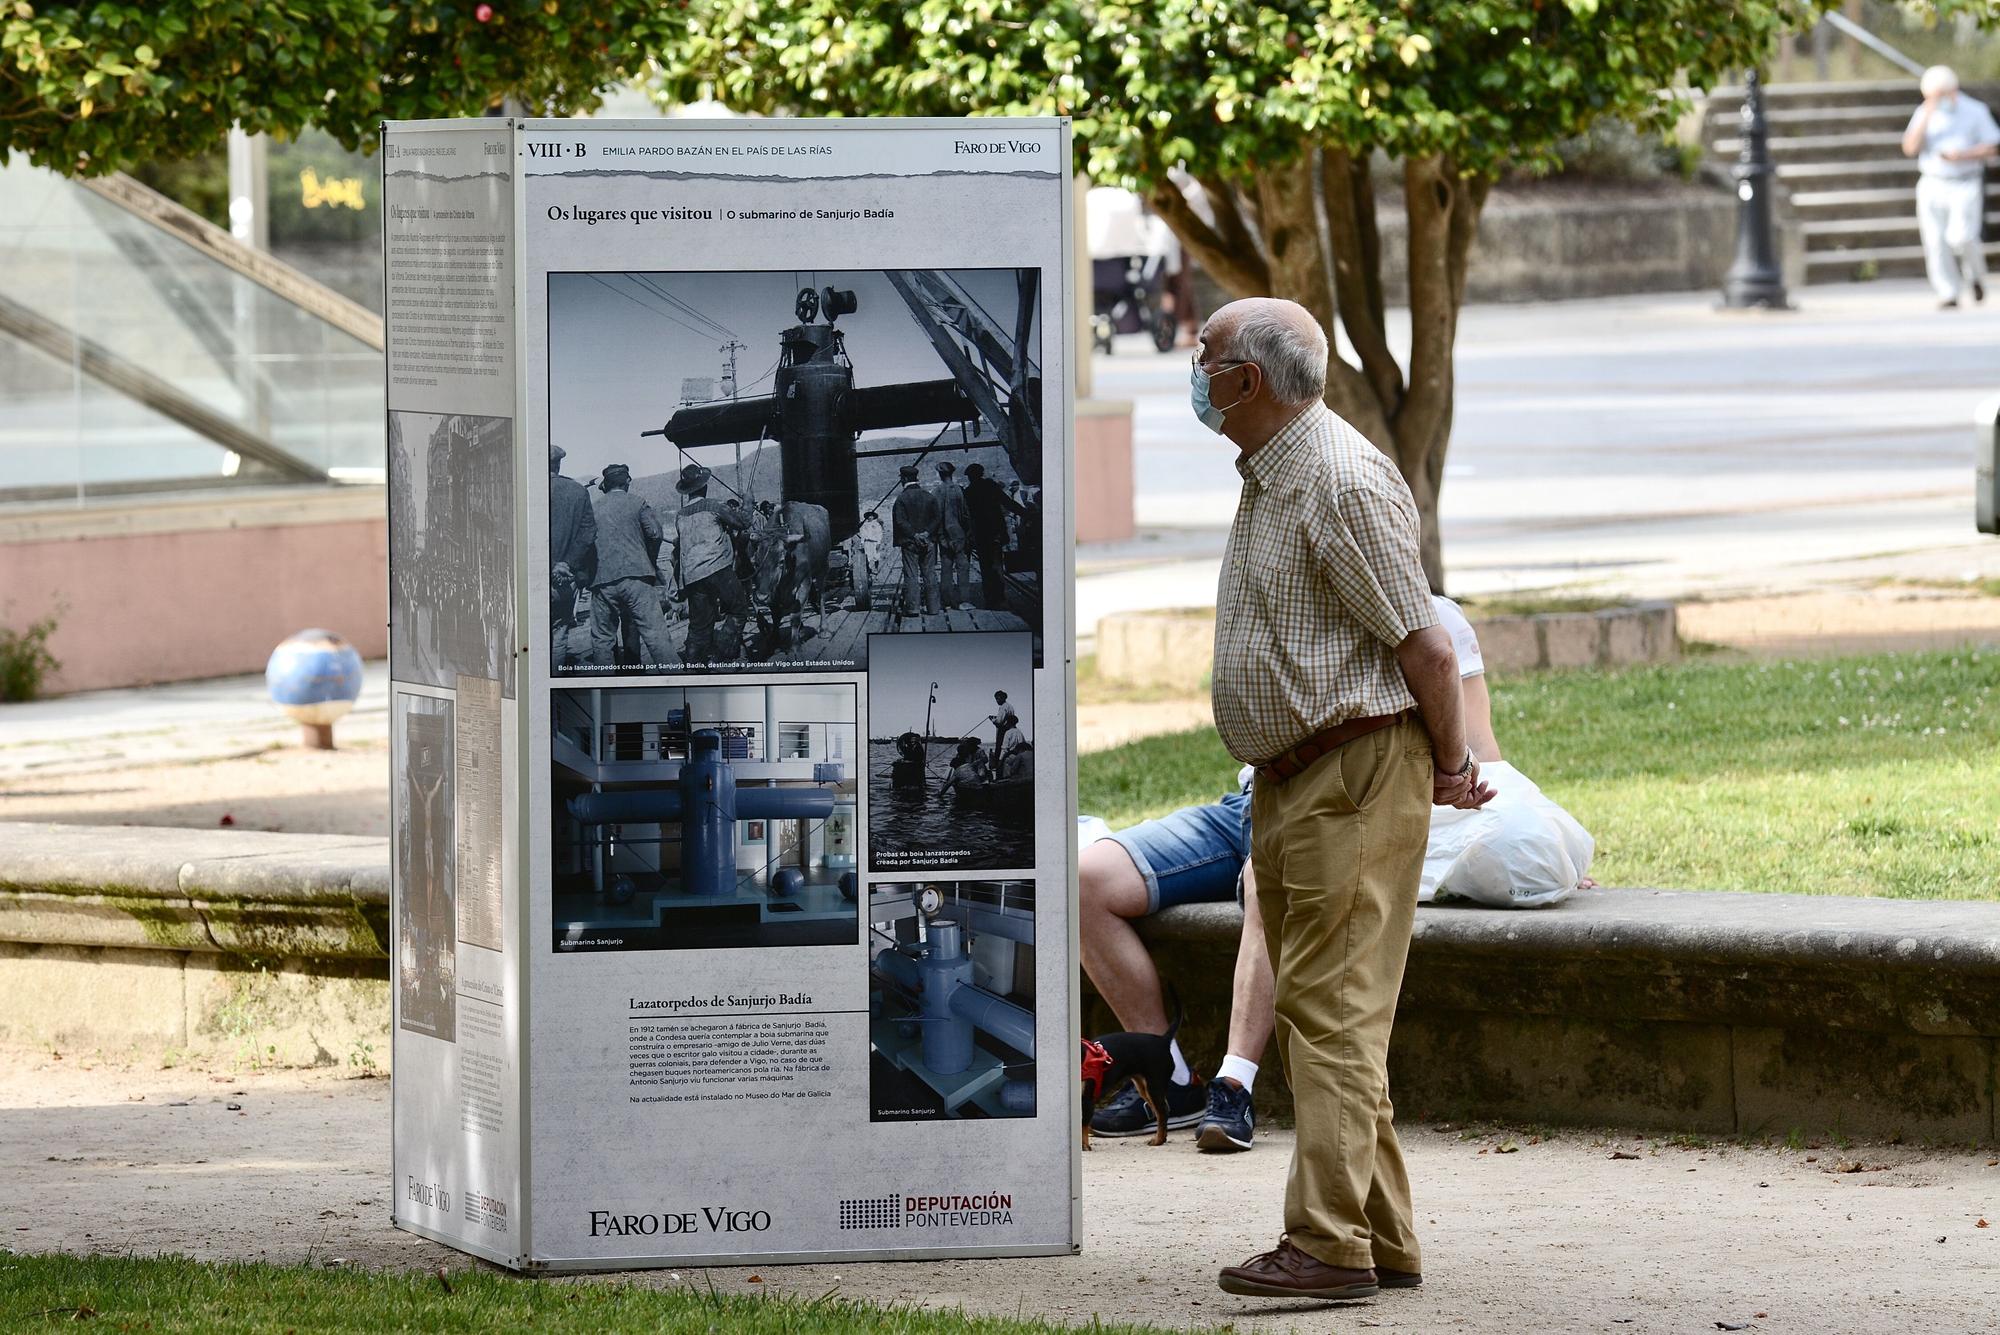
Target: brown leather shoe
column 1290, row 1273
column 1391, row 1278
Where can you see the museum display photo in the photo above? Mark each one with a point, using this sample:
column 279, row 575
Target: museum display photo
column 703, row 817
column 761, row 470
column 951, row 754
column 426, row 880
column 951, row 1000
column 451, row 548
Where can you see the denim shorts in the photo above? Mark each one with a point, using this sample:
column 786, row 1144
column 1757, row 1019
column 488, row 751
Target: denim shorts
column 1191, row 856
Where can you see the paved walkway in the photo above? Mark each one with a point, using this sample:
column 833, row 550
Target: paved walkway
column 1522, row 1233
column 1644, row 445
column 180, row 722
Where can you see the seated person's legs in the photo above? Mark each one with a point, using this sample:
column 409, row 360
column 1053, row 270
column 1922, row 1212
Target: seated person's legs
column 1228, row 1123
column 1190, row 856
column 1110, row 892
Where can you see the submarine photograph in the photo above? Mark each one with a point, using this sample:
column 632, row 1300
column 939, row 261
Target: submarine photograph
column 760, row 470
column 703, row 817
column 951, row 1000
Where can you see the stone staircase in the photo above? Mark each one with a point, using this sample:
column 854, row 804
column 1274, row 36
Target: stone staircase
column 1851, row 192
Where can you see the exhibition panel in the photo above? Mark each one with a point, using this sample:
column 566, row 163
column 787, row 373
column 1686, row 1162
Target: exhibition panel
column 731, row 464
column 448, row 219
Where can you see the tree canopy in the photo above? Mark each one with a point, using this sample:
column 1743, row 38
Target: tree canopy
column 89, row 88
column 1284, row 113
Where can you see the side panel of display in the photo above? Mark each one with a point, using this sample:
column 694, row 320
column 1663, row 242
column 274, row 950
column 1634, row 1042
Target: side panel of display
column 800, row 864
column 448, row 219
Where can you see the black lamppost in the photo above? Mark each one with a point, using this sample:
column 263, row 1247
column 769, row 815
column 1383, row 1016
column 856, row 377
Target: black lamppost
column 1755, row 278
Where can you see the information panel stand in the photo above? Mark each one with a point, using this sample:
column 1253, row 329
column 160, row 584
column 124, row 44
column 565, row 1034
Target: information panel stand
column 733, row 718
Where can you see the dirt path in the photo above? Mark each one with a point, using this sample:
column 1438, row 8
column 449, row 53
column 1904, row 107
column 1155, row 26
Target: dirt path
column 286, row 788
column 1554, row 1236
column 347, row 791
column 1901, row 618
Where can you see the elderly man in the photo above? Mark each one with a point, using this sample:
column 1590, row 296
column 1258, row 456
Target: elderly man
column 1200, row 855
column 1951, row 136
column 1335, row 681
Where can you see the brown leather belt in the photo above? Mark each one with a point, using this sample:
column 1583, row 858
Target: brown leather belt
column 1301, row 757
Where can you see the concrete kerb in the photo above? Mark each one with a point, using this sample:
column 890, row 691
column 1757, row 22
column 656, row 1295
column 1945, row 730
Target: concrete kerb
column 1176, row 648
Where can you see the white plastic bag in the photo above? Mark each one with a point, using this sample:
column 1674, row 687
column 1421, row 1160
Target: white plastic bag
column 1089, row 829
column 1519, row 851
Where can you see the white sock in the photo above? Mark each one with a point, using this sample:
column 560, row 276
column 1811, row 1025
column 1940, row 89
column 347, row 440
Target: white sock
column 1242, row 1072
column 1181, row 1073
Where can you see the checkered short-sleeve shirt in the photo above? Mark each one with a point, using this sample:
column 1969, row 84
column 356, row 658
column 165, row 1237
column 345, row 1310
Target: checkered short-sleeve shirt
column 1320, row 582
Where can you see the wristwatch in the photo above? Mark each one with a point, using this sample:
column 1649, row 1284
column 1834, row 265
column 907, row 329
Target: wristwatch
column 1465, row 770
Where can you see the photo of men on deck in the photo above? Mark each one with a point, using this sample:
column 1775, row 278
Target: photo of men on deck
column 951, row 756
column 880, row 475
column 451, row 548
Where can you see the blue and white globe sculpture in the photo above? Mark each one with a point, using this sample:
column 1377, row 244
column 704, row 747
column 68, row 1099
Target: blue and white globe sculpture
column 315, row 676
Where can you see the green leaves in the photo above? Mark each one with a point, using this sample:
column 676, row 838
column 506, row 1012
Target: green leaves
column 1211, row 86
column 89, row 88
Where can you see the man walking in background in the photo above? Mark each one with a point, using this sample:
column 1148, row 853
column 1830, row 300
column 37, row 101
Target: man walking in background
column 627, row 582
column 572, row 553
column 919, row 522
column 1335, row 681
column 1951, row 136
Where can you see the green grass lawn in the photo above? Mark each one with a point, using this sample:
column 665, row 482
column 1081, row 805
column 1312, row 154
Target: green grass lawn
column 170, row 1294
column 1876, row 775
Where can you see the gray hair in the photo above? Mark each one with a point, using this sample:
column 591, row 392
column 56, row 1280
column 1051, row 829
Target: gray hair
column 1291, row 354
column 1939, row 79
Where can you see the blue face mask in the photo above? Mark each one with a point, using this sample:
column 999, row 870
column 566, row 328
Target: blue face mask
column 1207, row 413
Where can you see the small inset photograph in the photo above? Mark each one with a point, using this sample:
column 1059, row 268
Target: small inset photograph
column 426, row 915
column 951, row 754
column 451, row 549
column 951, row 1000
column 704, row 817
column 758, row 470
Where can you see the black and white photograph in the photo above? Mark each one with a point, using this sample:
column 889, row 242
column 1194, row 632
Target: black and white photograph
column 704, row 817
column 951, row 752
column 426, row 900
column 765, row 470
column 451, row 548
column 951, row 1000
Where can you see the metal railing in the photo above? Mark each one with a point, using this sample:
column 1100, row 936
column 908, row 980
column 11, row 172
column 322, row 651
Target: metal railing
column 273, row 275
column 1847, row 27
column 143, row 349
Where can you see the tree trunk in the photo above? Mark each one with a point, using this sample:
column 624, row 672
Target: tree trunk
column 1265, row 241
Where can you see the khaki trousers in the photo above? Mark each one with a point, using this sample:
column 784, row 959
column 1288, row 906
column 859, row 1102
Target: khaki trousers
column 1339, row 851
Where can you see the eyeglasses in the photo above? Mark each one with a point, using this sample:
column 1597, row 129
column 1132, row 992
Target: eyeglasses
column 1194, row 362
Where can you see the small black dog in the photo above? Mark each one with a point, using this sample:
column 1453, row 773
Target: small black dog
column 1145, row 1061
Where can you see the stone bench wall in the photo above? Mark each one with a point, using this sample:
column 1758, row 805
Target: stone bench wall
column 1176, row 649
column 1719, row 1013
column 1727, row 1014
